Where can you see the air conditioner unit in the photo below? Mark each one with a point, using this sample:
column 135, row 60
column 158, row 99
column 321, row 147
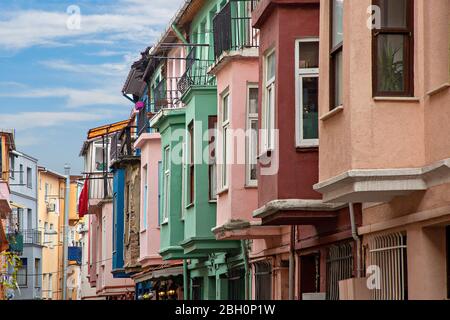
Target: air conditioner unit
column 51, row 207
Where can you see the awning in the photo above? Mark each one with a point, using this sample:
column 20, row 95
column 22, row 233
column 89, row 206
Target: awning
column 160, row 274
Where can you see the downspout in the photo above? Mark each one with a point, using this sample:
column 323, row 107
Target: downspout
column 179, row 34
column 356, row 238
column 292, row 264
column 246, row 269
column 185, row 280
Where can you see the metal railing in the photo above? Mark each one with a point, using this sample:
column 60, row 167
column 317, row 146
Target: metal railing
column 388, row 253
column 166, row 94
column 339, row 267
column 233, row 27
column 100, row 185
column 196, row 73
column 122, row 144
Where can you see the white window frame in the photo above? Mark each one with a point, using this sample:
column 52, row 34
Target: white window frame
column 225, row 150
column 268, row 107
column 184, row 178
column 96, row 145
column 248, row 146
column 145, row 200
column 166, row 185
column 301, row 73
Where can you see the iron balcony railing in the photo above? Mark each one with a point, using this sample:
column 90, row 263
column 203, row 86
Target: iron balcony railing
column 233, row 27
column 196, row 73
column 100, row 185
column 166, row 94
column 122, row 144
column 18, row 239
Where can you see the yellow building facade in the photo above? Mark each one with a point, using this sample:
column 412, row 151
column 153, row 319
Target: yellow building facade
column 51, row 200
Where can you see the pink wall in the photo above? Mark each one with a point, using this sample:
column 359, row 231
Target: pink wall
column 389, row 133
column 150, row 145
column 106, row 284
column 239, row 202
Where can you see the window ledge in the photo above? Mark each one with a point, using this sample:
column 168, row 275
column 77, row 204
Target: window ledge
column 439, row 89
column 222, row 191
column 250, row 186
column 165, row 222
column 397, row 99
column 332, row 113
column 189, row 206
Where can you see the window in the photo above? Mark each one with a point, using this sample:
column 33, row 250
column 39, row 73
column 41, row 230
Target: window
column 21, row 174
column 29, row 178
column 191, row 152
column 22, row 273
column 183, row 178
column 160, row 188
column 212, row 166
column 337, row 44
column 104, row 239
column 339, row 267
column 46, row 192
column 12, row 166
column 388, row 252
column 37, row 277
column 268, row 112
column 307, row 75
column 166, row 183
column 225, row 123
column 50, row 286
column 252, row 140
column 46, row 233
column 393, row 48
column 144, row 211
column 263, row 280
column 100, row 157
column 29, row 219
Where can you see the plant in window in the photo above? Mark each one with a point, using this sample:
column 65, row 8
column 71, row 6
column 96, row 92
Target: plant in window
column 391, row 69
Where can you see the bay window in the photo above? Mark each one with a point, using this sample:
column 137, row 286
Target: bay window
column 392, row 49
column 337, row 45
column 252, row 129
column 307, row 75
column 268, row 112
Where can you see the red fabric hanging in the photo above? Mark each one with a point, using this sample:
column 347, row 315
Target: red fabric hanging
column 84, row 200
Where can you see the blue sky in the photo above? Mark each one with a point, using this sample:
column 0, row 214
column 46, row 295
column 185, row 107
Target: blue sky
column 58, row 80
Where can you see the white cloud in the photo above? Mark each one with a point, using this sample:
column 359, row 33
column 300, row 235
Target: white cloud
column 32, row 120
column 106, row 69
column 74, row 97
column 130, row 20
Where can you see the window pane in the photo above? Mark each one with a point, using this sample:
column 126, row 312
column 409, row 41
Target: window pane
column 225, row 108
column 393, row 13
column 337, row 26
column 99, row 165
column 271, row 66
column 253, row 148
column 390, row 63
column 338, row 79
column 253, row 100
column 310, row 107
column 309, row 54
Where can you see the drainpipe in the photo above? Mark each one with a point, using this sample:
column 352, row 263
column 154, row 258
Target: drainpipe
column 185, row 280
column 292, row 264
column 246, row 268
column 356, row 238
column 179, row 34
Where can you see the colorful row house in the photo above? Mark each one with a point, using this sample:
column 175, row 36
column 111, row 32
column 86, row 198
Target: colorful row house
column 234, row 178
column 7, row 146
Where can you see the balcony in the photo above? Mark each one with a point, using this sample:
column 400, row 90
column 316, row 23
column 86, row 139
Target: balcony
column 233, row 29
column 166, row 94
column 122, row 145
column 100, row 185
column 196, row 73
column 74, row 254
column 17, row 240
